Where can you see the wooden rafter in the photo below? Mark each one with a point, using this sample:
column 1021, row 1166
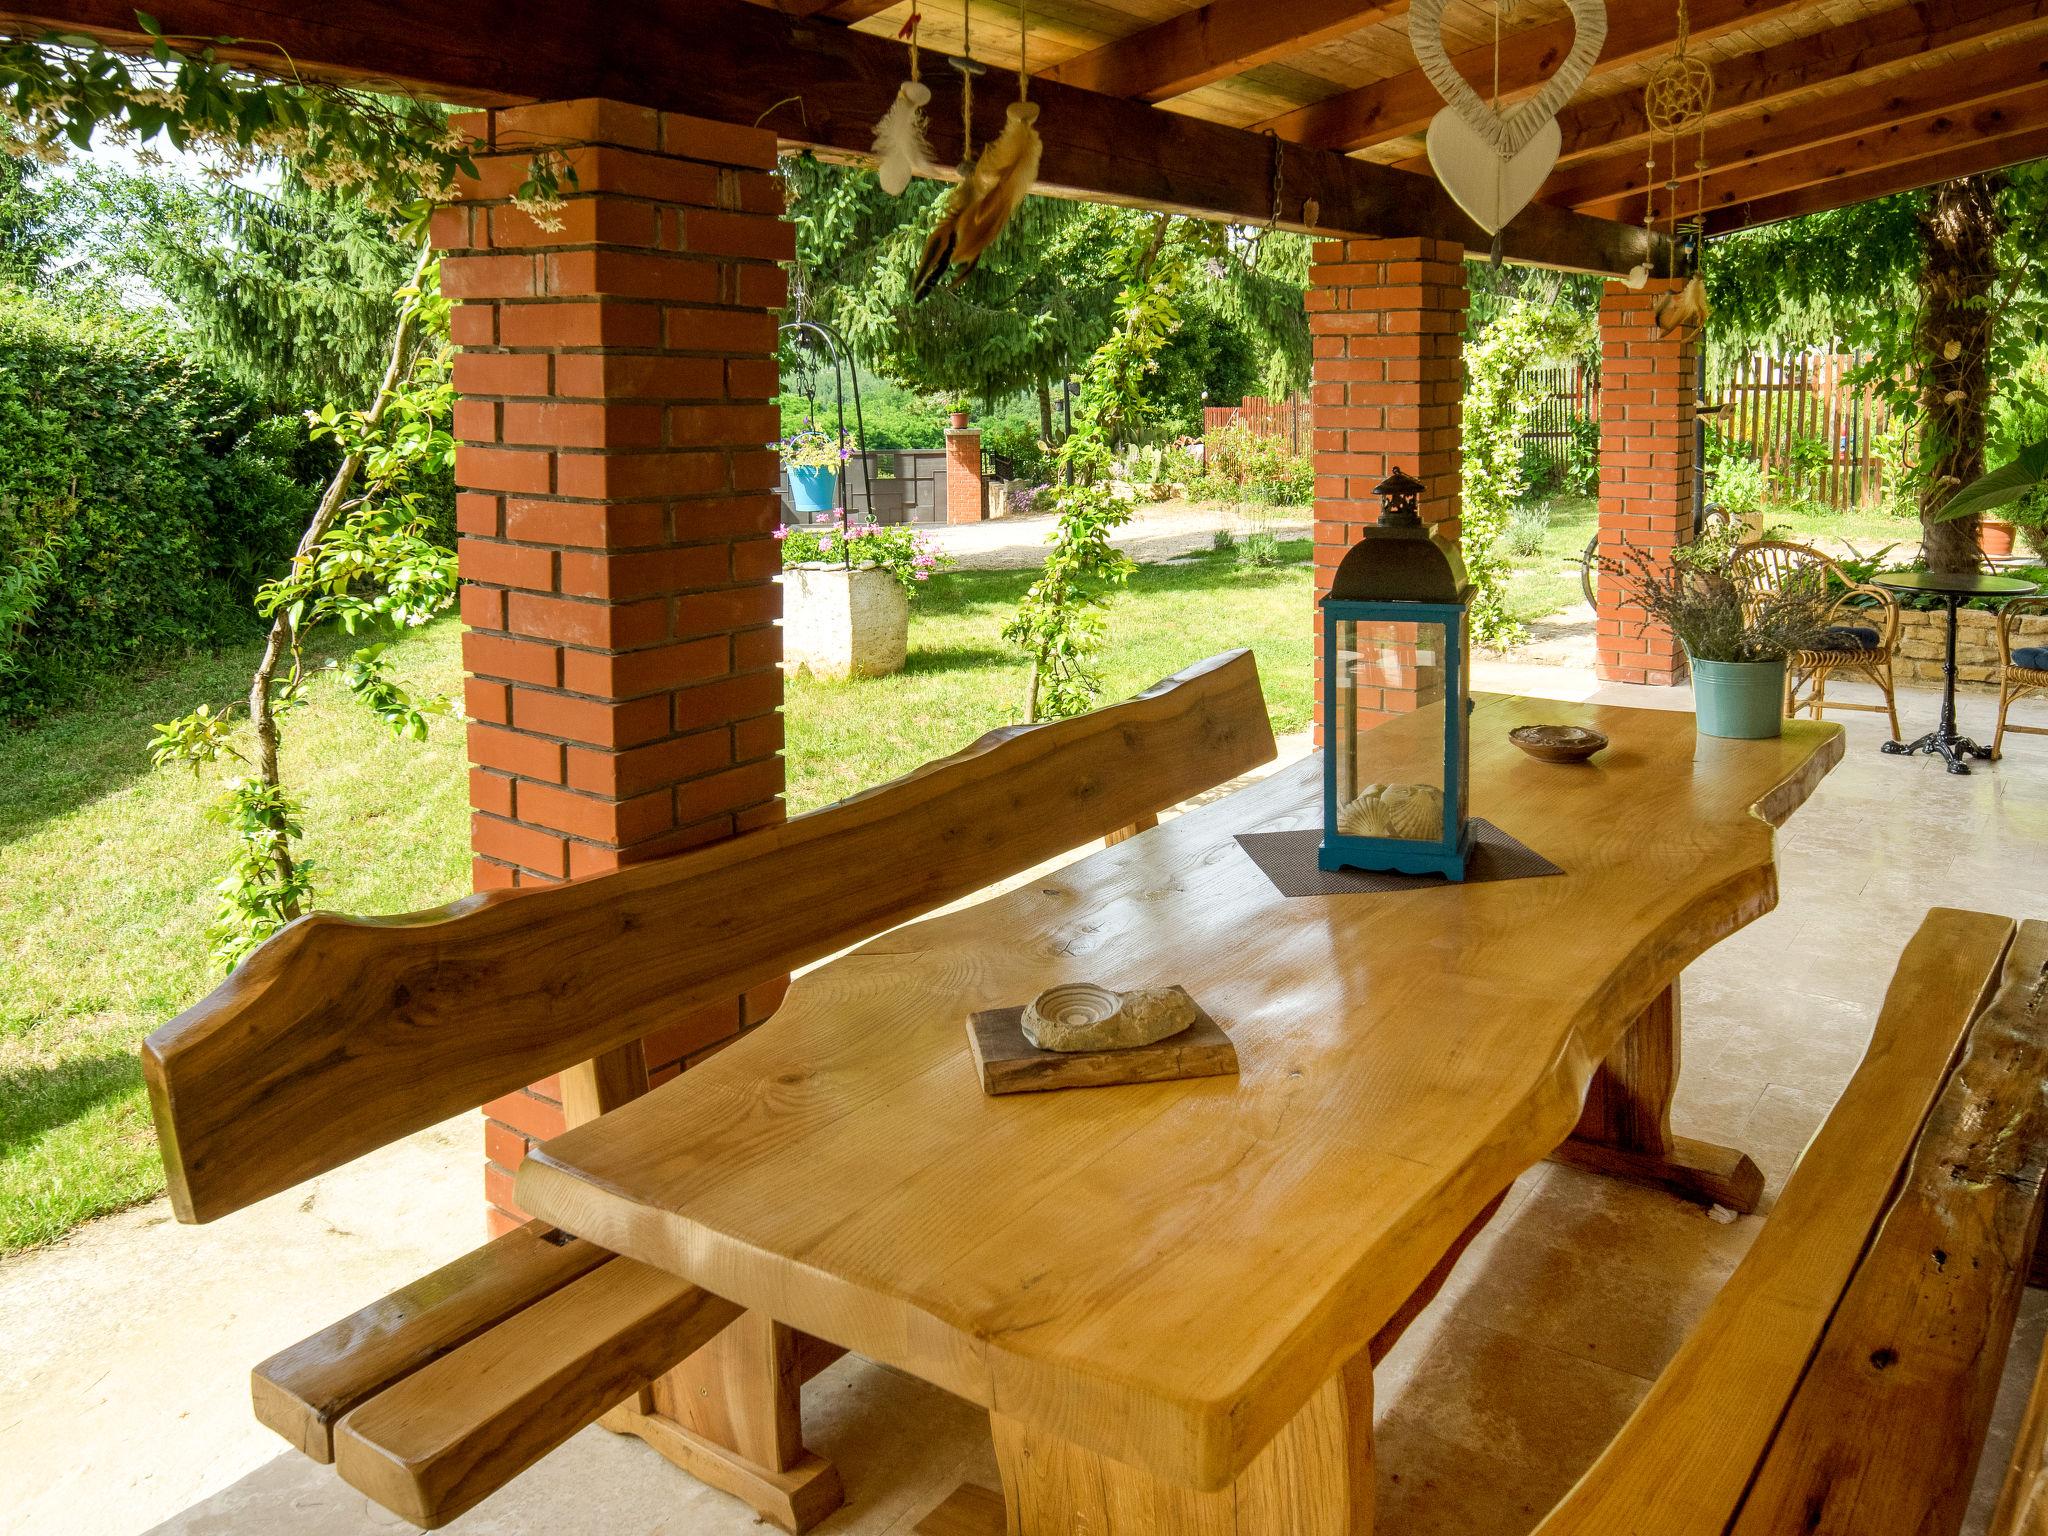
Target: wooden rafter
column 823, row 86
column 1403, row 104
column 1901, row 143
column 1215, row 41
column 1955, row 97
column 1967, row 160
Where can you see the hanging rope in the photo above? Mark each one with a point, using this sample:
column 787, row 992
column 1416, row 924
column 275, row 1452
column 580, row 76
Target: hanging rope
column 1023, row 53
column 966, row 67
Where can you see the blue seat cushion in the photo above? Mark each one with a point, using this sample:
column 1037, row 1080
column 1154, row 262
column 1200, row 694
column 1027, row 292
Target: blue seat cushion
column 1848, row 637
column 2033, row 657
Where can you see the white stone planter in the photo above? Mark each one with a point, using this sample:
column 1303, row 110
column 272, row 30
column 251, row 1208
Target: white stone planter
column 838, row 623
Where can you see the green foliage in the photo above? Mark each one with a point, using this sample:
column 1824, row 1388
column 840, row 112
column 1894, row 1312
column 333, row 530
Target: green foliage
column 1060, row 621
column 1018, row 445
column 1528, row 527
column 905, row 552
column 1698, row 597
column 1246, row 466
column 28, row 240
column 152, row 491
column 1497, row 411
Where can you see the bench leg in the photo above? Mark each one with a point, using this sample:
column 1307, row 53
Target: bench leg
column 731, row 1416
column 1625, row 1129
column 1314, row 1479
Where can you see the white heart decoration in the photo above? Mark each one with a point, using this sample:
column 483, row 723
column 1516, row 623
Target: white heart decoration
column 1508, row 132
column 1489, row 188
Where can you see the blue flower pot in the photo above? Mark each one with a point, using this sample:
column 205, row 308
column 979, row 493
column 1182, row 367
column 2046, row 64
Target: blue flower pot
column 814, row 488
column 1744, row 700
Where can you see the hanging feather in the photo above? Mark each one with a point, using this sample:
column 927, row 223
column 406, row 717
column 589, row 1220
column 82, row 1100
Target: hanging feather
column 1004, row 174
column 900, row 145
column 945, row 235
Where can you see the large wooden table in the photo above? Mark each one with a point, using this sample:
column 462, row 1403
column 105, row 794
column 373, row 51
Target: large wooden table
column 1166, row 1294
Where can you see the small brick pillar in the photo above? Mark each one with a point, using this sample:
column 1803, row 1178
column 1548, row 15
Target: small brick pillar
column 1388, row 322
column 964, row 502
column 617, row 505
column 1648, row 408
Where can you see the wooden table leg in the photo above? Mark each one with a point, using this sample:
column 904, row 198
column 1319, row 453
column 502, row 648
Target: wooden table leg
column 1314, row 1479
column 1625, row 1128
column 730, row 1415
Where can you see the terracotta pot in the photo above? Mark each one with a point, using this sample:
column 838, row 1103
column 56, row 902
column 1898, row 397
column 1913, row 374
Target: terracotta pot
column 1994, row 537
column 959, row 419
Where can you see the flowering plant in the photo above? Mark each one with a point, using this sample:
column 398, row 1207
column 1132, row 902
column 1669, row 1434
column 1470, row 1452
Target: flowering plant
column 810, row 447
column 902, row 551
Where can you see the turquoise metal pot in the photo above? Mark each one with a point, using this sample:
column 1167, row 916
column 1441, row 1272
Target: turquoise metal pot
column 1741, row 699
column 813, row 488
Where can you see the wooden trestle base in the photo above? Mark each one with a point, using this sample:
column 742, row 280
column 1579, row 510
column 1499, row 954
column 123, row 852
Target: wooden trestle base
column 1625, row 1131
column 793, row 1500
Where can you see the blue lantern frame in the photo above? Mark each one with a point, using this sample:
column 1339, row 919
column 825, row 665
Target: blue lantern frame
column 1446, row 855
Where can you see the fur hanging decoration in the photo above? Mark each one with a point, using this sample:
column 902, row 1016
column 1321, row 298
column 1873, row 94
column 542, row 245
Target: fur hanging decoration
column 900, row 145
column 1686, row 309
column 982, row 204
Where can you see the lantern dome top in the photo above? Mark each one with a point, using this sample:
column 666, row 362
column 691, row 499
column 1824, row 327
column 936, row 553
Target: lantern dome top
column 1398, row 559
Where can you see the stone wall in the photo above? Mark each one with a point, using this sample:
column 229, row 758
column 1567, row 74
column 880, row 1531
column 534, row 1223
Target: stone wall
column 1923, row 639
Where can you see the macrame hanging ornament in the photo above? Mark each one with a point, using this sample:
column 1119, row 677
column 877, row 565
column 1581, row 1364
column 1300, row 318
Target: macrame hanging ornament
column 1677, row 99
column 1492, row 162
column 901, row 149
column 992, row 187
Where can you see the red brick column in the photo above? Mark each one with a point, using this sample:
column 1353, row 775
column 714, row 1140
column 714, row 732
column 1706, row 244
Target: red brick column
column 963, row 475
column 1388, row 320
column 1648, row 407
column 617, row 508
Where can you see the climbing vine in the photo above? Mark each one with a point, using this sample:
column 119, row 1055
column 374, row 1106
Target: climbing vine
column 1523, row 333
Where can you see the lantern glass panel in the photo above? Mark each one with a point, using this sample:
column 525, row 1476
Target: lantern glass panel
column 1390, row 784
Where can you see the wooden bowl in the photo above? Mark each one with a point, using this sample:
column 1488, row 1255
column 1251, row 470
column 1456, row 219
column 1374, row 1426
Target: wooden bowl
column 1558, row 743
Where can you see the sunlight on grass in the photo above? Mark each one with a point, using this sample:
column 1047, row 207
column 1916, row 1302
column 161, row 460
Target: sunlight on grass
column 107, row 868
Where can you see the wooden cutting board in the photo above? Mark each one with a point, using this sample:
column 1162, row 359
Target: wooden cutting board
column 1009, row 1063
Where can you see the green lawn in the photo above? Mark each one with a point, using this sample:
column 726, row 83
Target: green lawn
column 106, row 868
column 1542, row 584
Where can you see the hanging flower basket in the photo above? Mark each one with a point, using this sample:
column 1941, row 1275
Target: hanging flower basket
column 813, row 488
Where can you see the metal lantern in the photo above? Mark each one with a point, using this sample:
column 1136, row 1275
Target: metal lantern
column 1396, row 641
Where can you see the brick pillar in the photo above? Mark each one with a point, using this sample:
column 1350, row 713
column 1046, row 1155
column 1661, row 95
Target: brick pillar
column 1388, row 321
column 963, row 475
column 1648, row 407
column 617, row 505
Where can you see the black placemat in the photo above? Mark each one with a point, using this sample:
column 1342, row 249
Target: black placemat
column 1288, row 859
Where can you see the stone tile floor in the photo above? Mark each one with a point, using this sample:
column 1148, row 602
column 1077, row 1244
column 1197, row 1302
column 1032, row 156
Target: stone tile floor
column 1544, row 1340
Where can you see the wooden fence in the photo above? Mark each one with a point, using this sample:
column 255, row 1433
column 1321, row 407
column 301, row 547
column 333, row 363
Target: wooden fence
column 1564, row 393
column 1290, row 419
column 1811, row 429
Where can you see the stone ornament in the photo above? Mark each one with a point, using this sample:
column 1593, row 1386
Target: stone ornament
column 1081, row 1016
column 1493, row 163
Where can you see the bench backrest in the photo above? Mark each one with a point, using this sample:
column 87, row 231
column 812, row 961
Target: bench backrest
column 1842, row 1380
column 341, row 1034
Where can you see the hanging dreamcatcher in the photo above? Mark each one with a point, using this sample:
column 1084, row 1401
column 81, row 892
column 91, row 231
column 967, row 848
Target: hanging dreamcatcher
column 901, row 150
column 1492, row 162
column 1676, row 100
column 992, row 186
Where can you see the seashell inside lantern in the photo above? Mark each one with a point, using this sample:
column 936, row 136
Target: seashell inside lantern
column 1080, row 1016
column 1414, row 811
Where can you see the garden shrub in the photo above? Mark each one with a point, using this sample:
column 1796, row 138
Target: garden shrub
column 1242, row 465
column 1527, row 528
column 156, row 496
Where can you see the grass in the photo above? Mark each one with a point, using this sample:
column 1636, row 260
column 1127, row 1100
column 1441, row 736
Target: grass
column 1545, row 583
column 107, row 868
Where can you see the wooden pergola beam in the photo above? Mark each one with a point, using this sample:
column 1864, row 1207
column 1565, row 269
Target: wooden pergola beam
column 1403, row 104
column 823, row 86
column 1213, row 42
column 1967, row 160
column 1943, row 98
column 1901, row 143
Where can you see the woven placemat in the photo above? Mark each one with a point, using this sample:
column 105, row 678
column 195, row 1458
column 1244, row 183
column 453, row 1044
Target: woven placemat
column 1289, row 861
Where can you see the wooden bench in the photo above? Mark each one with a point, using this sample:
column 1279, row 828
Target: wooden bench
column 341, row 1035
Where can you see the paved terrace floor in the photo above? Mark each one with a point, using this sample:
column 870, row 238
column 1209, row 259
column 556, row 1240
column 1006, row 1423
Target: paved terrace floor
column 124, row 1352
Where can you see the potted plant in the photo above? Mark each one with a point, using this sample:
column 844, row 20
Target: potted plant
column 1994, row 537
column 2021, row 484
column 846, row 595
column 813, row 458
column 961, row 413
column 1736, row 638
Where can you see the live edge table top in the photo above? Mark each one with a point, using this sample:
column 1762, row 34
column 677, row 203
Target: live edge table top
column 1165, row 1273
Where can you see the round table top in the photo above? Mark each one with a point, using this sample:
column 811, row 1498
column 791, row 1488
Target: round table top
column 1956, row 583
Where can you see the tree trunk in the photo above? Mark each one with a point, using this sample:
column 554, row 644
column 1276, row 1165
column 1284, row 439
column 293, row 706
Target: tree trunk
column 1959, row 232
column 280, row 640
column 1045, row 411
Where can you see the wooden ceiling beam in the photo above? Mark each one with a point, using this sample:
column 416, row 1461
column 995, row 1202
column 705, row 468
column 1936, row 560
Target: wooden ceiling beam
column 1966, row 160
column 1901, row 143
column 1614, row 187
column 1215, row 41
column 1403, row 104
column 823, row 86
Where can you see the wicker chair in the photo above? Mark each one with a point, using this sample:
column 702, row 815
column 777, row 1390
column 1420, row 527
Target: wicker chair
column 1858, row 647
column 2020, row 672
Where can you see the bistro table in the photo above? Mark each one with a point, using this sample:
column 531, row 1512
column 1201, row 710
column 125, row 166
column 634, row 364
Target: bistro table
column 1957, row 588
column 1169, row 1296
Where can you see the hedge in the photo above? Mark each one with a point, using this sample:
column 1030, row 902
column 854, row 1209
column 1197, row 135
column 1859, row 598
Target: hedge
column 142, row 500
